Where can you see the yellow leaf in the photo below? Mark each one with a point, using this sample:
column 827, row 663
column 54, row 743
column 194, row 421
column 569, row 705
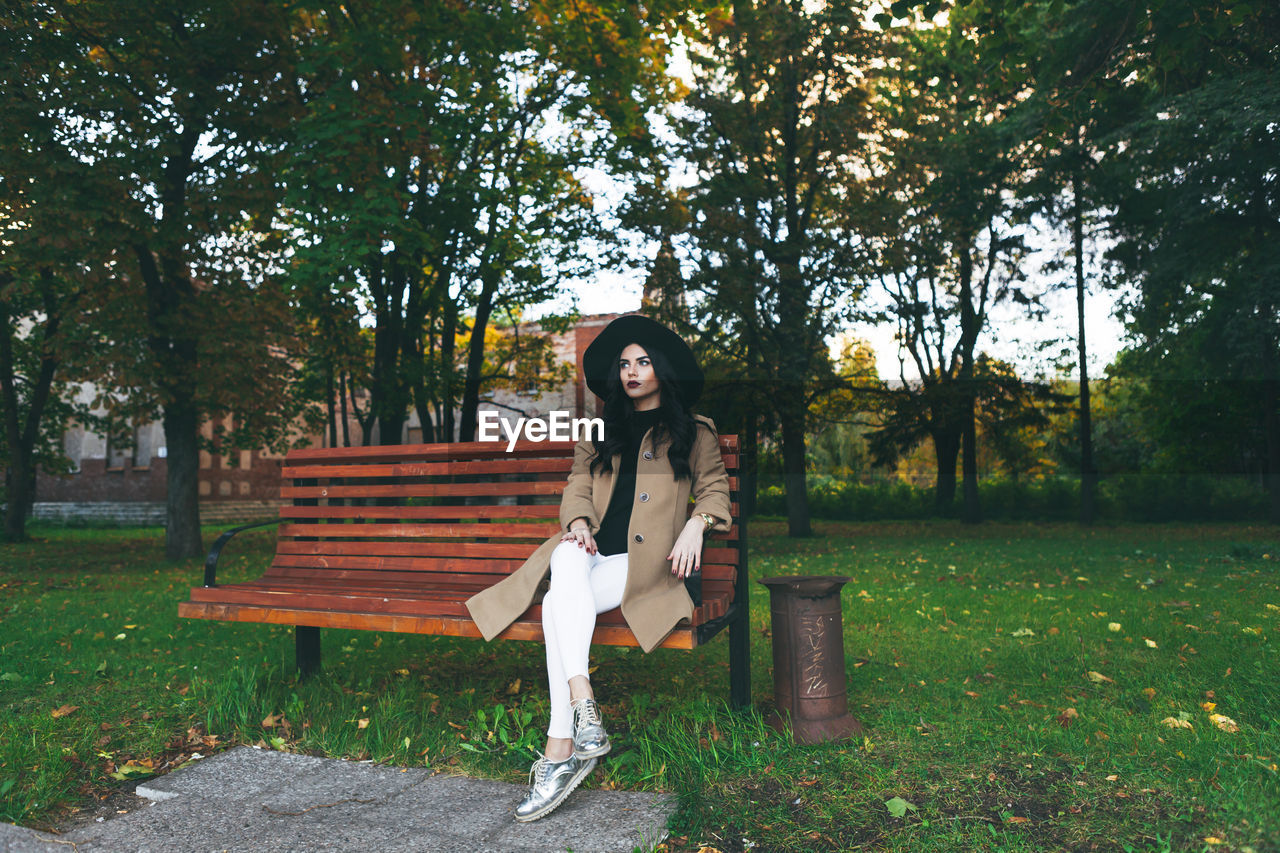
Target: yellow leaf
column 1225, row 723
column 1213, row 840
column 1149, row 692
column 513, row 688
column 1113, row 777
column 1209, row 706
column 1099, row 678
column 1175, row 723
column 1113, row 627
column 402, row 672
column 362, row 723
column 1151, row 644
column 64, row 710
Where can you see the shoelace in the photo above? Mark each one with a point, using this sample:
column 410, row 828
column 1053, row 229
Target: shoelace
column 542, row 763
column 588, row 710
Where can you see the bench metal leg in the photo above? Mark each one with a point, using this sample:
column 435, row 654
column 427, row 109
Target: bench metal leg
column 307, row 648
column 740, row 661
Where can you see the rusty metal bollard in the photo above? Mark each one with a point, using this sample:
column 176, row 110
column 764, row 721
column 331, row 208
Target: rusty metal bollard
column 808, row 658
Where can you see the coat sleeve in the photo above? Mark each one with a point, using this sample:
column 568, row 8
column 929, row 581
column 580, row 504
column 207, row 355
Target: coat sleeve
column 576, row 500
column 710, row 479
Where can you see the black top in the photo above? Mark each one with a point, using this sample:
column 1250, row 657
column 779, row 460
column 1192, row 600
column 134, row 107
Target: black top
column 612, row 536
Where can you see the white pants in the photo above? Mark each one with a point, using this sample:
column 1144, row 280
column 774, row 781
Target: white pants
column 582, row 585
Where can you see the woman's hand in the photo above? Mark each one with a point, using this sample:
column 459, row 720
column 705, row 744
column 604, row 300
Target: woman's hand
column 580, row 531
column 686, row 554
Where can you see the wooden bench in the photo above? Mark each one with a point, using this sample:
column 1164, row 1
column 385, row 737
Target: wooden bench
column 397, row 538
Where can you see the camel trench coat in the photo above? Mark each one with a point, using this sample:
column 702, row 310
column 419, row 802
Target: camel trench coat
column 653, row 600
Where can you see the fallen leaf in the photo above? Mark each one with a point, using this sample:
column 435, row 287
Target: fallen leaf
column 1151, row 644
column 1099, row 678
column 1015, row 819
column 1023, row 632
column 1113, row 627
column 271, row 721
column 1175, row 723
column 65, row 710
column 1209, row 706
column 1149, row 692
column 1113, row 777
column 899, row 807
column 1225, row 723
column 1065, row 718
column 362, row 723
column 132, row 770
column 1054, row 630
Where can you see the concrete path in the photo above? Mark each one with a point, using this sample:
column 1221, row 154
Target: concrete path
column 250, row 799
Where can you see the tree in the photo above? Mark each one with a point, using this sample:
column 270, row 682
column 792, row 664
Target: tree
column 177, row 110
column 437, row 171
column 778, row 117
column 945, row 249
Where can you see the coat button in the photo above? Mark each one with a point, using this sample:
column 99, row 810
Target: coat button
column 644, row 496
column 648, row 454
column 639, row 538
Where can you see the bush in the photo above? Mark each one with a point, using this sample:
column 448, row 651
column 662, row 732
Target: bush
column 1127, row 497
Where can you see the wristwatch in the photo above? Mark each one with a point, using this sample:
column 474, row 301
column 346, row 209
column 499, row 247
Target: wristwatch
column 707, row 520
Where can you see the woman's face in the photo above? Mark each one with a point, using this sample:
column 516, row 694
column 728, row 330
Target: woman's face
column 638, row 379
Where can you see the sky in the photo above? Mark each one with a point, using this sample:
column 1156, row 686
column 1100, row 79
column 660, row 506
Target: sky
column 1031, row 346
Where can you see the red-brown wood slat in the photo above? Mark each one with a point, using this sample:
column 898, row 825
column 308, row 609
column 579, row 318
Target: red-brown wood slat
column 297, row 565
column 458, row 451
column 432, row 469
column 540, row 531
column 503, row 512
column 524, row 629
column 450, row 550
column 452, row 513
column 536, row 530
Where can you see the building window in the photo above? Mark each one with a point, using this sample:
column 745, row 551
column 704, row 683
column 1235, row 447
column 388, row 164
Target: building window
column 142, row 446
column 119, row 451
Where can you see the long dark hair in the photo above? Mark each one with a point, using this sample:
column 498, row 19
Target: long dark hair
column 675, row 428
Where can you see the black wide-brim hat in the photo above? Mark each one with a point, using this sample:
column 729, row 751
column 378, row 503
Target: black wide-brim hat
column 601, row 357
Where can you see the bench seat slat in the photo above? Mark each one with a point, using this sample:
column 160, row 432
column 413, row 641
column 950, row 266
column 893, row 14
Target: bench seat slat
column 681, row 638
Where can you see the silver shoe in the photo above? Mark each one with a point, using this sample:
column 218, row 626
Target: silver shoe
column 550, row 784
column 590, row 740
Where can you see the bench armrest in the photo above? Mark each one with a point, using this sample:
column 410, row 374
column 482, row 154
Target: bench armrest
column 211, row 562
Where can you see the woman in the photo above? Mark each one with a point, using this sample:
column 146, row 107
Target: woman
column 628, row 538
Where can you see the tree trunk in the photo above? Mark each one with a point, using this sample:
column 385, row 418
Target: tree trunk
column 793, row 473
column 1088, row 474
column 342, row 401
column 475, row 361
column 748, row 466
column 971, row 509
column 329, row 404
column 447, row 334
column 1271, row 424
column 182, row 504
column 946, row 449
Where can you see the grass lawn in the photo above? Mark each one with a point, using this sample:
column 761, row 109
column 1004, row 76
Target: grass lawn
column 1018, row 683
